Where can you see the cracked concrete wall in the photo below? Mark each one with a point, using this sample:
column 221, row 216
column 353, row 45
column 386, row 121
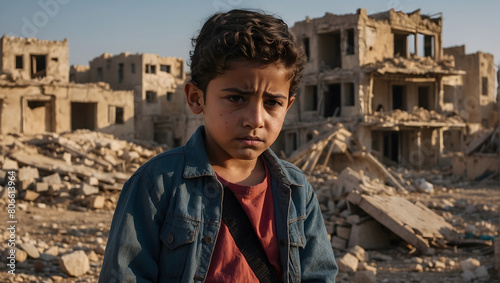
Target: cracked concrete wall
column 36, row 108
column 52, row 56
column 157, row 83
column 478, row 100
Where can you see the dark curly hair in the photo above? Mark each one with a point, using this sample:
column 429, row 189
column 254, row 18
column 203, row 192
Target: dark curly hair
column 244, row 35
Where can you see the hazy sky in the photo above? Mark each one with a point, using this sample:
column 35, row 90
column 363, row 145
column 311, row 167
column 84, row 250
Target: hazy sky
column 165, row 27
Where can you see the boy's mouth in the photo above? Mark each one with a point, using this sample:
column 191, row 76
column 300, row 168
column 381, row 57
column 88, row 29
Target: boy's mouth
column 250, row 140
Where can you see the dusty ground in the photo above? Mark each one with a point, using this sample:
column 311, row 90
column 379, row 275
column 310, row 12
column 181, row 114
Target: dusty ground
column 72, row 227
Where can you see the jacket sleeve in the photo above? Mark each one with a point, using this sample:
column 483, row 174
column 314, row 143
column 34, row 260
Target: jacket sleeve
column 317, row 259
column 133, row 247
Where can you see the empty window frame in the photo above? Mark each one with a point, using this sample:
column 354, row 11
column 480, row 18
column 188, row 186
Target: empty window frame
column 350, row 42
column 329, row 50
column 38, row 66
column 398, row 97
column 165, row 68
column 424, row 97
column 307, row 48
column 151, row 96
column 150, row 69
column 484, row 86
column 400, row 48
column 170, row 96
column 425, row 46
column 311, row 98
column 120, row 73
column 349, row 94
column 19, row 62
column 100, row 74
column 116, row 115
column 132, row 68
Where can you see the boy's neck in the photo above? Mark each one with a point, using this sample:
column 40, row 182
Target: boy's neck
column 241, row 172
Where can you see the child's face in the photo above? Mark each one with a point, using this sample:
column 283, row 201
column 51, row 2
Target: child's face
column 243, row 110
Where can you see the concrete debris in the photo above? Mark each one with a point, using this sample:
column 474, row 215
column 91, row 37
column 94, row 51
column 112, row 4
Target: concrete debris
column 415, row 223
column 348, row 263
column 75, row 264
column 58, row 168
column 30, row 249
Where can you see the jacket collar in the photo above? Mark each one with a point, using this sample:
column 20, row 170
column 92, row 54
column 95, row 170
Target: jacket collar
column 198, row 165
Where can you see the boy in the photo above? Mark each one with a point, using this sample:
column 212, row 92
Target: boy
column 168, row 225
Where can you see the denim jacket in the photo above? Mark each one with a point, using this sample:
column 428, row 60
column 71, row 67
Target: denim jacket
column 169, row 212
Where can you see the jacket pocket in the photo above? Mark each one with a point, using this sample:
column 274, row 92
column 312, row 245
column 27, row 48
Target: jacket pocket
column 177, row 235
column 297, row 237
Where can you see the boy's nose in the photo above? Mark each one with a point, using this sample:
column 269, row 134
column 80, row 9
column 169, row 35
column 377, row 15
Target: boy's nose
column 254, row 116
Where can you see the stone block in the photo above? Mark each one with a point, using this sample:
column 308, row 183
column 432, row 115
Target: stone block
column 95, row 201
column 348, row 263
column 359, row 253
column 30, row 195
column 41, row 187
column 75, row 264
column 21, row 255
column 482, row 273
column 339, row 243
column 52, row 179
column 93, row 181
column 28, row 174
column 30, row 249
column 10, row 164
column 89, row 190
column 369, row 235
column 343, row 232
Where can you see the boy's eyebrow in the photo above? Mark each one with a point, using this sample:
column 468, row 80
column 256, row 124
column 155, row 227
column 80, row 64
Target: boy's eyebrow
column 249, row 92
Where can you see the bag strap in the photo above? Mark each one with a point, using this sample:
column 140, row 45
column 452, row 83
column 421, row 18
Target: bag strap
column 245, row 238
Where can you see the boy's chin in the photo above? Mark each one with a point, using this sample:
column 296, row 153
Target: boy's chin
column 247, row 154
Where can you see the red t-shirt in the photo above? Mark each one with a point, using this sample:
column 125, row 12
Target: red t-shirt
column 228, row 264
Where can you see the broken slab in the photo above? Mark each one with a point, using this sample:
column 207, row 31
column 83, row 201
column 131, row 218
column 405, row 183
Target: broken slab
column 414, row 223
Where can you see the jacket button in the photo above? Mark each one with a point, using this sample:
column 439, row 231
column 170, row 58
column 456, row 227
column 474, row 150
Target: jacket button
column 207, row 239
column 170, row 238
column 283, row 243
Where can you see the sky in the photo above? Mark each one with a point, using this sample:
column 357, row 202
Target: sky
column 93, row 27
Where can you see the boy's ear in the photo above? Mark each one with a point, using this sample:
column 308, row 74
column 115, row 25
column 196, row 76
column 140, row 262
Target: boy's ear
column 290, row 102
column 194, row 97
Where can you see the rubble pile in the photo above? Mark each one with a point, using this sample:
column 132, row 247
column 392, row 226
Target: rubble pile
column 414, row 65
column 417, row 114
column 76, row 168
column 363, row 210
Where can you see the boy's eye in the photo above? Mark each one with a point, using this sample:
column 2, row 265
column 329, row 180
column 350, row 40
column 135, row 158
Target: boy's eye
column 236, row 98
column 274, row 103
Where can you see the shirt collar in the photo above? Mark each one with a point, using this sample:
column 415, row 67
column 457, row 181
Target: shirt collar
column 197, row 163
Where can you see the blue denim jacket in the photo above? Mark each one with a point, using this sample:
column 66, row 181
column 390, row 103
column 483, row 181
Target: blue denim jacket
column 169, row 213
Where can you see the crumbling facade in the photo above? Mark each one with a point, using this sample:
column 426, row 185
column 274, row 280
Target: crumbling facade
column 157, row 83
column 387, row 77
column 36, row 95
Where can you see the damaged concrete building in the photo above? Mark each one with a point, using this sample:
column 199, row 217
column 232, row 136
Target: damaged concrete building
column 36, row 95
column 157, row 83
column 386, row 76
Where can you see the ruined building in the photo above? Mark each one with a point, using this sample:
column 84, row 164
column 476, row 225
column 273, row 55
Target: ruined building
column 387, row 77
column 157, row 83
column 36, row 95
